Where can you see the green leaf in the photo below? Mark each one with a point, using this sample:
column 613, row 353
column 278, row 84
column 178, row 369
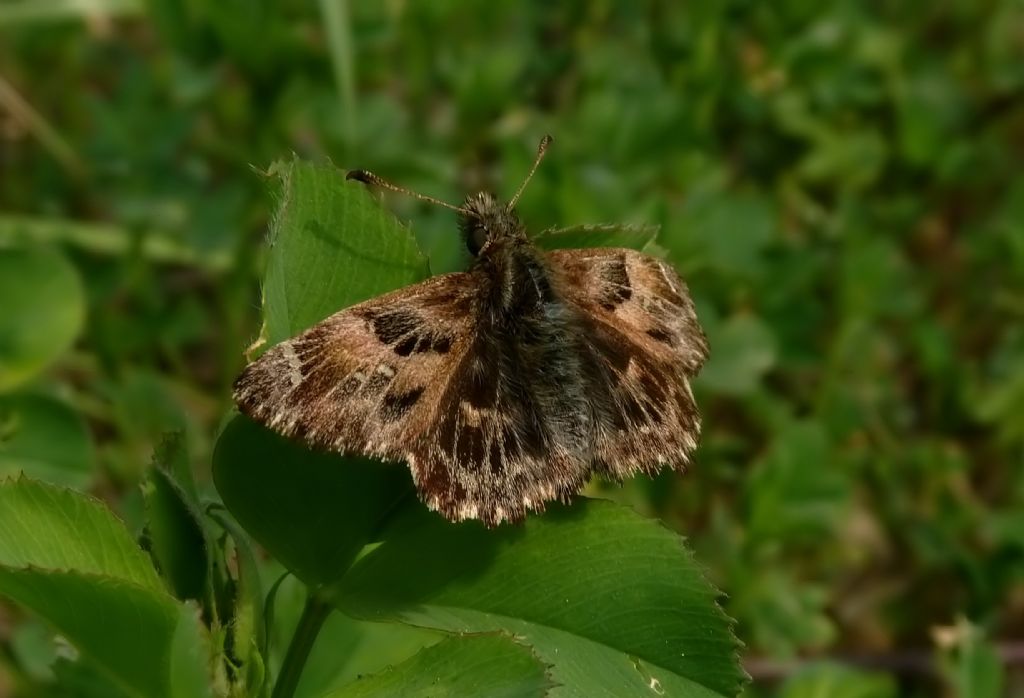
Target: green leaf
column 48, row 527
column 81, row 678
column 313, row 511
column 44, row 438
column 33, row 649
column 118, row 636
column 487, row 666
column 189, row 655
column 176, row 537
column 332, row 246
column 614, row 602
column 43, row 311
column 65, row 557
column 247, row 620
column 127, row 631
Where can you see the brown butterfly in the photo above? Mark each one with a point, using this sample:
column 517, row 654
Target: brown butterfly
column 504, row 386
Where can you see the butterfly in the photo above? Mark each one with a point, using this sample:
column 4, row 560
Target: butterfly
column 505, row 386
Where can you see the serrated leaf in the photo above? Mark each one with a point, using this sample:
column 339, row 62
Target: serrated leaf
column 50, row 527
column 332, row 246
column 177, row 541
column 43, row 310
column 614, row 602
column 44, row 438
column 473, row 666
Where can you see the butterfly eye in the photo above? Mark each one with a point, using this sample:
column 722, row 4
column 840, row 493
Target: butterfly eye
column 475, row 234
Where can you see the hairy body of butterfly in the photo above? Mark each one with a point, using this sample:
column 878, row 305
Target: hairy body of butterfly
column 504, row 386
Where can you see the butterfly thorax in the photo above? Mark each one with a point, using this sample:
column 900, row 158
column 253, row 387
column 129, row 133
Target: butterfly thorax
column 527, row 351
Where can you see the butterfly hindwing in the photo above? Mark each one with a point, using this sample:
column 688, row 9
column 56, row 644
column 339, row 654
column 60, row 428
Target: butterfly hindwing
column 645, row 345
column 501, row 444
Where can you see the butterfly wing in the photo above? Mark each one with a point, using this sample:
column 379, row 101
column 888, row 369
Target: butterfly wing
column 369, row 378
column 645, row 345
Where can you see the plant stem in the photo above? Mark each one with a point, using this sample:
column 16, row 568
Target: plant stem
column 314, row 613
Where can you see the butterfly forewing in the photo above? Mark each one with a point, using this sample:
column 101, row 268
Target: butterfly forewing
column 367, row 379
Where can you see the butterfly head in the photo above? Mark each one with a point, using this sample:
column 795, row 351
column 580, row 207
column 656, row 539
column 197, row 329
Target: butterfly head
column 483, row 220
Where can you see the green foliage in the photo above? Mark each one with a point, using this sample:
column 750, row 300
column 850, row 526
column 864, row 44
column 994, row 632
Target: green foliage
column 659, row 625
column 66, row 558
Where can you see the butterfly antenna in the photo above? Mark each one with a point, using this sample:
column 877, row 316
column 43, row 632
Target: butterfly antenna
column 541, row 149
column 371, row 178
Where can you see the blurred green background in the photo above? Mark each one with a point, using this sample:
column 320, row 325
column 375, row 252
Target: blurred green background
column 840, row 184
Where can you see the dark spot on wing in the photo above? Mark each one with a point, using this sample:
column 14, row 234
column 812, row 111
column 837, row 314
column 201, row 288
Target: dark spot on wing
column 632, row 408
column 406, row 346
column 392, row 325
column 446, row 433
column 469, row 450
column 396, row 405
column 423, row 343
column 661, row 335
